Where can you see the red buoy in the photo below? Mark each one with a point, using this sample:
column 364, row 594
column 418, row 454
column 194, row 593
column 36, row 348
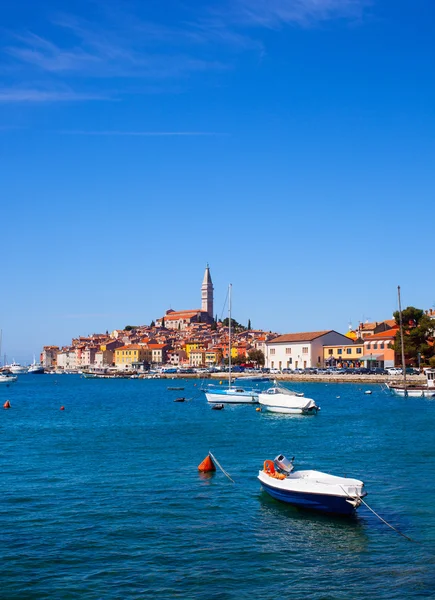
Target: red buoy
column 207, row 465
column 62, row 408
column 7, row 404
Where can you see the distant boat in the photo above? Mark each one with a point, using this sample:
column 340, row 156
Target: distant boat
column 406, row 390
column 175, row 388
column 6, row 376
column 35, row 368
column 17, row 369
column 279, row 399
column 312, row 490
column 415, row 391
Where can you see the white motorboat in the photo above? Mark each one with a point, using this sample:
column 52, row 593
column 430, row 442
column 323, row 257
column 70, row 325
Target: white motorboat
column 309, row 489
column 282, row 400
column 17, row 369
column 7, row 377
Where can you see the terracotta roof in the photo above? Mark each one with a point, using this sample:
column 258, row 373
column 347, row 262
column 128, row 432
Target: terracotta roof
column 306, row 336
column 383, row 335
column 130, row 347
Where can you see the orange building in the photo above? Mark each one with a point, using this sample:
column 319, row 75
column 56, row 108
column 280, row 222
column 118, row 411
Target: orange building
column 379, row 349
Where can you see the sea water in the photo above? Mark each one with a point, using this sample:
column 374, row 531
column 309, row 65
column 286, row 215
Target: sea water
column 104, row 499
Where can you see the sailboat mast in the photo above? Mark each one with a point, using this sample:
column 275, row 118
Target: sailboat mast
column 229, row 335
column 401, row 338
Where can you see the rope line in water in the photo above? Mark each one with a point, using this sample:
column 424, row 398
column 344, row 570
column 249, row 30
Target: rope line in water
column 220, row 467
column 380, row 518
column 388, row 524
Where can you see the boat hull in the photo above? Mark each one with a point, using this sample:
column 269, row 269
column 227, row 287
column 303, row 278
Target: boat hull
column 9, row 379
column 311, row 501
column 229, row 397
column 410, row 392
column 289, row 410
column 287, row 404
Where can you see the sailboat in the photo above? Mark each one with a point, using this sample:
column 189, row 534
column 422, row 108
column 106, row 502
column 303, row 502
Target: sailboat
column 234, row 394
column 404, row 389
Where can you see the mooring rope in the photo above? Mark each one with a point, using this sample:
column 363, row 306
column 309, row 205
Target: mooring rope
column 380, row 518
column 220, row 467
column 388, row 524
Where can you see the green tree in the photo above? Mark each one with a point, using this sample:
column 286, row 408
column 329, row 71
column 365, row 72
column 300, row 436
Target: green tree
column 152, row 324
column 256, row 356
column 235, row 326
column 130, row 327
column 418, row 330
column 249, row 325
column 163, row 322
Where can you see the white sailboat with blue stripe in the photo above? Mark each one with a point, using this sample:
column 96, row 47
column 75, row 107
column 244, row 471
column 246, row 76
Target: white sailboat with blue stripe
column 234, row 394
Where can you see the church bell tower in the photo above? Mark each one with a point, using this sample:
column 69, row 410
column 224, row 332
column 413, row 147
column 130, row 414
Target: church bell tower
column 207, row 293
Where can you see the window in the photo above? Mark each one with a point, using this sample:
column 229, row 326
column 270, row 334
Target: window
column 288, row 350
column 368, row 346
column 272, row 350
column 340, row 351
column 382, row 346
column 289, row 362
column 359, row 350
column 375, row 346
column 349, row 350
column 305, row 350
column 330, row 351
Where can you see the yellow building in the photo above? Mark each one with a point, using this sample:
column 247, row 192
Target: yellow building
column 343, row 354
column 133, row 353
column 191, row 346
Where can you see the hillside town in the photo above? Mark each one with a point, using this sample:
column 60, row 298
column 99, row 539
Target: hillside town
column 195, row 339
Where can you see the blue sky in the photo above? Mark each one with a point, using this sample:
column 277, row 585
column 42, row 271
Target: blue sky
column 289, row 143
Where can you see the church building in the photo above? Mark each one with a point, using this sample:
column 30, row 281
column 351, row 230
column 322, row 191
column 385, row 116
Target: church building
column 183, row 318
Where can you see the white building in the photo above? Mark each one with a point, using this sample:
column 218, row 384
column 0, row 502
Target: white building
column 300, row 350
column 67, row 360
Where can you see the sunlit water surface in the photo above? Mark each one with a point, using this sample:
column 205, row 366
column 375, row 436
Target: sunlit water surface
column 104, row 499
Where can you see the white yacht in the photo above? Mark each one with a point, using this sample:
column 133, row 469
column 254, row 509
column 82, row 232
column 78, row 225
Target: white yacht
column 35, row 369
column 17, row 369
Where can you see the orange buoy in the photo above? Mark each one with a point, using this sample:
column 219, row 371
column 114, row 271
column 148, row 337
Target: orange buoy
column 258, row 409
column 62, row 408
column 207, row 465
column 7, row 404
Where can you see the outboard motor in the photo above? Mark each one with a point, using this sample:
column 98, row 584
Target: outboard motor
column 284, row 464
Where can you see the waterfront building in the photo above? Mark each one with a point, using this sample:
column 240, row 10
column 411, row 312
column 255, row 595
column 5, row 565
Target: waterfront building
column 67, row 359
column 300, row 350
column 49, row 356
column 342, row 355
column 132, row 353
column 197, row 358
column 379, row 349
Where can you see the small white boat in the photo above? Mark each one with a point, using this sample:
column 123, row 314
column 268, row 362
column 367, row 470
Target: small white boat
column 17, row 369
column 282, row 400
column 233, row 393
column 312, row 490
column 7, row 377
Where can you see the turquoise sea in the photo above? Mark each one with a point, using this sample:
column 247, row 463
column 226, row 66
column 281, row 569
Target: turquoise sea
column 103, row 500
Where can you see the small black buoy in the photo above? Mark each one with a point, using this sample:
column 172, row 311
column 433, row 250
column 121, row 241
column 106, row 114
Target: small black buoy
column 217, row 407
